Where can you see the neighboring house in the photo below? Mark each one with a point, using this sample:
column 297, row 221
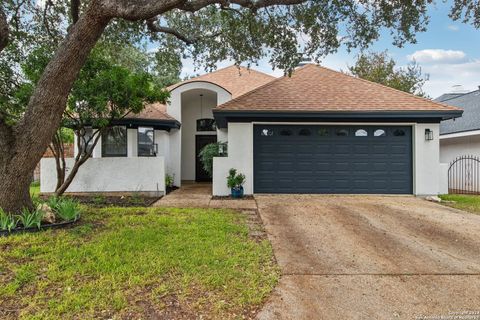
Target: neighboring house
column 459, row 137
column 318, row 131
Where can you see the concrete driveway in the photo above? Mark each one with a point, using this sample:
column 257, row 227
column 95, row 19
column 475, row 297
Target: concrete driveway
column 371, row 257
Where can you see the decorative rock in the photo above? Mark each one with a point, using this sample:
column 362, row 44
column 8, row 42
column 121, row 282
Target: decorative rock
column 433, row 199
column 48, row 214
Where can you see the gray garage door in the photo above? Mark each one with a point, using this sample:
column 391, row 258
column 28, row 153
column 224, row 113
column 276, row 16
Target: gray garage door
column 332, row 159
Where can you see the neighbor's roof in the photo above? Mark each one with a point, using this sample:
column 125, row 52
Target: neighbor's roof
column 470, row 103
column 317, row 89
column 236, row 80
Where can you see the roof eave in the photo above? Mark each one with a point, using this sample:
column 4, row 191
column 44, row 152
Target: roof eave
column 222, row 117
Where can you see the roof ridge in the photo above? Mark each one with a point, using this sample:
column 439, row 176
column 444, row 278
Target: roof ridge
column 386, row 87
column 274, row 80
column 459, row 95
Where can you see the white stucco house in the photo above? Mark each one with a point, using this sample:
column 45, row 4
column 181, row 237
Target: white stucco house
column 318, row 131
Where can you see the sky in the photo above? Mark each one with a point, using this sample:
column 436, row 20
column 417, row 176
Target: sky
column 449, row 52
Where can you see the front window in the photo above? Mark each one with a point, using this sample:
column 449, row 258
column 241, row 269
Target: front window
column 114, row 142
column 206, row 125
column 146, row 142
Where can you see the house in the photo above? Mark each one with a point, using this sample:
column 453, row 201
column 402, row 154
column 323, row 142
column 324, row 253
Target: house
column 461, row 136
column 318, row 131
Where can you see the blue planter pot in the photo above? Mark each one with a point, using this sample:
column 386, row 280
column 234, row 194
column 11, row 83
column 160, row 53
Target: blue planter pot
column 237, row 192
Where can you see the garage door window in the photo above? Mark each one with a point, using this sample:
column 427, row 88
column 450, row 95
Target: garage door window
column 267, row 132
column 399, row 133
column 379, row 133
column 323, row 132
column 286, row 132
column 341, row 132
column 361, row 133
column 304, row 132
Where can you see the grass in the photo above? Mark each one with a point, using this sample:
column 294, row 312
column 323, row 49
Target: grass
column 137, row 263
column 35, row 189
column 470, row 203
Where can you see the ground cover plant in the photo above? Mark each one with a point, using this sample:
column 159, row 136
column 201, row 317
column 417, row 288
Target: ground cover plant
column 470, row 203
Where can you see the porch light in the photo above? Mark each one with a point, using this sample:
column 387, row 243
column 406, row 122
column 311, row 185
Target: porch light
column 428, row 134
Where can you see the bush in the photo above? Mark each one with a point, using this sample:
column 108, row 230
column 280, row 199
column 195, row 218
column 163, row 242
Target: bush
column 208, row 153
column 234, row 180
column 169, row 178
column 30, row 218
column 7, row 221
column 67, row 209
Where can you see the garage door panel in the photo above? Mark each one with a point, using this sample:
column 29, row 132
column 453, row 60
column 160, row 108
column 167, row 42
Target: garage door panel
column 324, row 162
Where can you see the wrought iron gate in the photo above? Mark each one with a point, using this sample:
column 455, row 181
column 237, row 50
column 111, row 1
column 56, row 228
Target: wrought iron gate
column 464, row 175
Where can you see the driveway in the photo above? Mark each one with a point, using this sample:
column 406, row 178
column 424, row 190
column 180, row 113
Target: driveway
column 371, row 257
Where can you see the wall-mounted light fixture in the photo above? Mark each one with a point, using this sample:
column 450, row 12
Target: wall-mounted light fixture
column 428, row 134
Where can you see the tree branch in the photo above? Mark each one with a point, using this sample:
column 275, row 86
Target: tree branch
column 4, row 31
column 154, row 27
column 75, row 10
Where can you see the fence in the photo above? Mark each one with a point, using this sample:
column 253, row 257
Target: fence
column 464, row 175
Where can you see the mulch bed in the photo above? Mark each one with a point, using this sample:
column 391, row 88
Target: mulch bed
column 46, row 226
column 99, row 200
column 246, row 197
column 170, row 189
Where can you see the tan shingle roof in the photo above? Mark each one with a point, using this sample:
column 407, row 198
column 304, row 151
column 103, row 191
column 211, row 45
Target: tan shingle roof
column 316, row 89
column 155, row 111
column 234, row 79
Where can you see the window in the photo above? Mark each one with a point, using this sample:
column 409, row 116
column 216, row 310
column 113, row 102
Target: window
column 323, row 132
column 206, row 125
column 267, row 132
column 114, row 142
column 361, row 133
column 379, row 133
column 286, row 132
column 146, row 142
column 304, row 132
column 341, row 132
column 87, row 138
column 398, row 133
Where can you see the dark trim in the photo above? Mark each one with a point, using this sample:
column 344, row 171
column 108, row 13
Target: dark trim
column 123, row 155
column 138, row 143
column 222, row 117
column 166, row 125
column 455, row 132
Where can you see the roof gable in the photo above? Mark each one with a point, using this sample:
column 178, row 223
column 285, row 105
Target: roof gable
column 237, row 80
column 317, row 89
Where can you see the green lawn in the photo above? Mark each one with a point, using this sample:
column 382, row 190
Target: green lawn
column 35, row 189
column 137, row 263
column 470, row 203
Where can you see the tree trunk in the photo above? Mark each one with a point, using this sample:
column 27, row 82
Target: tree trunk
column 42, row 118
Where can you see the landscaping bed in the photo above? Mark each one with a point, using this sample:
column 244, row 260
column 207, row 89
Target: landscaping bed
column 100, row 201
column 245, row 197
column 139, row 263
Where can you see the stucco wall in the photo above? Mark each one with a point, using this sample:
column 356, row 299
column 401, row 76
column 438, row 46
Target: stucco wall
column 455, row 147
column 426, row 160
column 133, row 174
column 240, row 157
column 426, row 165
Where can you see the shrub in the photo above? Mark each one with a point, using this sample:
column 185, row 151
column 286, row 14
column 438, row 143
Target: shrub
column 7, row 221
column 67, row 209
column 30, row 218
column 234, row 180
column 53, row 202
column 208, row 153
column 169, row 178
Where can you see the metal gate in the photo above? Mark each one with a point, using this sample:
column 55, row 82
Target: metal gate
column 464, row 175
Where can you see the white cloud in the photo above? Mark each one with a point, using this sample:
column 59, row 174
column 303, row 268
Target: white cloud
column 438, row 56
column 453, row 27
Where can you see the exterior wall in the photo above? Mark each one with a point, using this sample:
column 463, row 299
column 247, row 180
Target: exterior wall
column 426, row 165
column 240, row 157
column 104, row 175
column 426, row 155
column 174, row 109
column 453, row 147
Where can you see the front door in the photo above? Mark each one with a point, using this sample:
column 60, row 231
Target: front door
column 200, row 142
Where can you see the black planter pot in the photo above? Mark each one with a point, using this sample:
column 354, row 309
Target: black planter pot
column 42, row 227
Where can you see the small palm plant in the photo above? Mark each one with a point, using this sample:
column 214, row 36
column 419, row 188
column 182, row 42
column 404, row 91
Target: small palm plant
column 235, row 183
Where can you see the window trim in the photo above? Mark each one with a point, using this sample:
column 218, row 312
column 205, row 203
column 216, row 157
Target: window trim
column 155, row 151
column 123, row 155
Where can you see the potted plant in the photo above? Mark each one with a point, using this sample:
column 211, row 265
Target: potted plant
column 235, row 183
